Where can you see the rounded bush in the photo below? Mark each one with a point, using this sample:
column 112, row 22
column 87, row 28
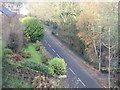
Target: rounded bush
column 33, row 28
column 58, row 65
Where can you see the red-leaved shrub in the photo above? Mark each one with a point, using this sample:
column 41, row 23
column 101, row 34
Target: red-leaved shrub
column 17, row 57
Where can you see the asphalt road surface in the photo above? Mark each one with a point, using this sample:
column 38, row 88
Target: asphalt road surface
column 77, row 76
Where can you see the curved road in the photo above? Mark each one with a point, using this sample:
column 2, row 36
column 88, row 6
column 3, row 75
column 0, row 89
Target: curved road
column 77, row 76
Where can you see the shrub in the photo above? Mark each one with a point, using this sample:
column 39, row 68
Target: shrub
column 41, row 82
column 58, row 66
column 38, row 47
column 38, row 67
column 15, row 40
column 9, row 27
column 9, row 56
column 7, row 51
column 25, row 54
column 13, row 45
column 45, row 58
column 17, row 57
column 33, row 28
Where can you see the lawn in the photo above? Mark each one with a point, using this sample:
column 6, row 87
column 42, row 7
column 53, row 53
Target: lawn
column 36, row 56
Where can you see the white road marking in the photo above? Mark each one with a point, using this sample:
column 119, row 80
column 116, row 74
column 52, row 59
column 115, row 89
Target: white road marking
column 58, row 55
column 53, row 50
column 81, row 82
column 49, row 45
column 72, row 71
column 45, row 41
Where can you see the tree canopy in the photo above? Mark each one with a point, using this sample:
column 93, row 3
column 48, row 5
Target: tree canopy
column 33, row 28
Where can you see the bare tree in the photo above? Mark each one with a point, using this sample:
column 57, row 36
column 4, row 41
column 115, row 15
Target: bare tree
column 12, row 25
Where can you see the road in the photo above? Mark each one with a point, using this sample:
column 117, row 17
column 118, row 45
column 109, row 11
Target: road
column 78, row 77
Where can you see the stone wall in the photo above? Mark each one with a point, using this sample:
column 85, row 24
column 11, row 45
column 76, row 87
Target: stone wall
column 27, row 73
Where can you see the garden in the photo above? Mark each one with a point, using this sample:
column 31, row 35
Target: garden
column 23, row 49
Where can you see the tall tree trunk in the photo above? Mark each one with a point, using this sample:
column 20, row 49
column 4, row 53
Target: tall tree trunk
column 109, row 62
column 94, row 44
column 100, row 49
